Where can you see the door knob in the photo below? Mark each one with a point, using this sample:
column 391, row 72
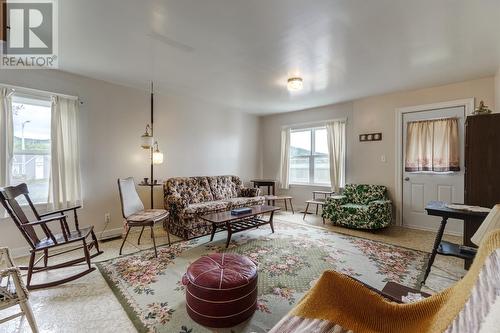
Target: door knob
column 407, row 179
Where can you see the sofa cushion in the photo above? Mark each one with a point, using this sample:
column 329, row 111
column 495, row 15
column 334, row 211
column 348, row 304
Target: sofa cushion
column 224, row 187
column 245, row 201
column 191, row 189
column 354, row 208
column 204, row 208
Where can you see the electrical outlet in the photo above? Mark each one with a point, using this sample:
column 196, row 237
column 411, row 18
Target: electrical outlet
column 107, row 217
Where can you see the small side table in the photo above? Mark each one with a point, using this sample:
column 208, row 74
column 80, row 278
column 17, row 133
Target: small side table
column 472, row 220
column 273, row 198
column 151, row 186
column 270, row 183
column 317, row 201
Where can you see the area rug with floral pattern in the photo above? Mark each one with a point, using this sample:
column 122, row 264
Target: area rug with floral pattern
column 289, row 263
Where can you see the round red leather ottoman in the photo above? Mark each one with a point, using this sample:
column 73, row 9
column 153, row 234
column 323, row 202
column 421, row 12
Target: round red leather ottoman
column 221, row 290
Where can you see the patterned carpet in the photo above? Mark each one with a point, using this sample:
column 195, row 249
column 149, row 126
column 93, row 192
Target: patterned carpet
column 290, row 261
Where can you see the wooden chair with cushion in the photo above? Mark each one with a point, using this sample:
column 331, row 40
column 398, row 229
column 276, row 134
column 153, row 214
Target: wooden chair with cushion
column 46, row 223
column 134, row 213
column 12, row 290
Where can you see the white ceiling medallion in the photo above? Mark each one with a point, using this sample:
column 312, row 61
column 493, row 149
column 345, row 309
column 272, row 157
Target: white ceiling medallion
column 295, row 84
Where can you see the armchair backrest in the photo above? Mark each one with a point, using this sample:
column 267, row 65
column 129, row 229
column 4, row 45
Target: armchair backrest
column 129, row 199
column 9, row 199
column 363, row 194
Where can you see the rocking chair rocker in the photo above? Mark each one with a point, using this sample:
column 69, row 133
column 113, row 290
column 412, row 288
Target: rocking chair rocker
column 51, row 241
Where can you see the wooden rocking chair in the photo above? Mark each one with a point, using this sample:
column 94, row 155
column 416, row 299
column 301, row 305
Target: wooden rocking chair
column 8, row 197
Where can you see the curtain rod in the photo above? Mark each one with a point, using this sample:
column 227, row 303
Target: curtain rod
column 319, row 122
column 39, row 92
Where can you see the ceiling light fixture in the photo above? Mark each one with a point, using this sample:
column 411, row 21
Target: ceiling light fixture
column 295, row 84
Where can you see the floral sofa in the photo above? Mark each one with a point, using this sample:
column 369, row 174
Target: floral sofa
column 360, row 207
column 188, row 198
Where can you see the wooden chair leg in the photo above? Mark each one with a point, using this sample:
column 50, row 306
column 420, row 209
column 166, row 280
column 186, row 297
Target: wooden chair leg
column 96, row 243
column 154, row 242
column 45, row 257
column 87, row 253
column 124, row 239
column 30, row 269
column 26, row 309
column 140, row 235
column 305, row 212
column 168, row 237
column 291, row 206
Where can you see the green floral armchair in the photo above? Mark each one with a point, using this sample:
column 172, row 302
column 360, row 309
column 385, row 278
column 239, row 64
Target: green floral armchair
column 360, row 207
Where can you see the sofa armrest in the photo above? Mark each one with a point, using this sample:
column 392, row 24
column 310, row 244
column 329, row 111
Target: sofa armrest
column 332, row 206
column 175, row 204
column 249, row 192
column 380, row 212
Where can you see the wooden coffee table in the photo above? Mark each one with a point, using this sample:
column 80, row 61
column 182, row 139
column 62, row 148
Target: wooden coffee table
column 239, row 223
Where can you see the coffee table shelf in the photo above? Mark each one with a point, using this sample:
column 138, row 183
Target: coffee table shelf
column 238, row 223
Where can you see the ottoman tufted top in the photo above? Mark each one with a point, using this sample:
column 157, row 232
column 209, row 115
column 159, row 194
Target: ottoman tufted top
column 221, row 271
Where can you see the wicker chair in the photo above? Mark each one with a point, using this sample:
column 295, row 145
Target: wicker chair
column 12, row 290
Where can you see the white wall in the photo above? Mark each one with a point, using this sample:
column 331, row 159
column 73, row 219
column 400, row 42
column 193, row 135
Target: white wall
column 197, row 139
column 367, row 115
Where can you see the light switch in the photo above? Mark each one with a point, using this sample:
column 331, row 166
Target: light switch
column 383, row 159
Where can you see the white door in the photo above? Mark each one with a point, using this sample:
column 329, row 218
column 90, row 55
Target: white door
column 421, row 187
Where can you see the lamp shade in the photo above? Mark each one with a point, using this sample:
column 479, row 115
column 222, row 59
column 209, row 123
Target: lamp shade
column 147, row 141
column 157, row 157
column 490, row 223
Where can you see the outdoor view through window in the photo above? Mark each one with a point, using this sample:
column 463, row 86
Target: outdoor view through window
column 31, row 162
column 309, row 162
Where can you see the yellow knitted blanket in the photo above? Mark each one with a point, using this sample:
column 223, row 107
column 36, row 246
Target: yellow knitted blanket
column 337, row 303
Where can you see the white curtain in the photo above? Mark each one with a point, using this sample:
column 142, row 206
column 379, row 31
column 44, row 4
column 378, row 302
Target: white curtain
column 6, row 140
column 285, row 158
column 65, row 184
column 336, row 151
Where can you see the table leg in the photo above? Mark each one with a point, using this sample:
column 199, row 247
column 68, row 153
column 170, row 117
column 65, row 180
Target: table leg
column 437, row 241
column 271, row 222
column 317, row 207
column 305, row 212
column 229, row 234
column 214, row 228
column 291, row 206
column 286, row 206
column 470, row 227
column 274, row 189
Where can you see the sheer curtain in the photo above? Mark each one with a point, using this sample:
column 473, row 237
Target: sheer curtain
column 6, row 139
column 285, row 158
column 432, row 145
column 335, row 131
column 65, row 184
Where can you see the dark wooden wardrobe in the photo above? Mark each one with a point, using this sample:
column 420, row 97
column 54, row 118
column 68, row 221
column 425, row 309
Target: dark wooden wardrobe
column 482, row 165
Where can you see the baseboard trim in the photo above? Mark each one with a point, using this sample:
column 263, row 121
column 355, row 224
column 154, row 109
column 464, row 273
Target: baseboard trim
column 459, row 234
column 101, row 236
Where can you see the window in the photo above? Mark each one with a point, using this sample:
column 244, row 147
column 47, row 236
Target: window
column 309, row 161
column 31, row 160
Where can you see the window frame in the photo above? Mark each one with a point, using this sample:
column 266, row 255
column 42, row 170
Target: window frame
column 311, row 157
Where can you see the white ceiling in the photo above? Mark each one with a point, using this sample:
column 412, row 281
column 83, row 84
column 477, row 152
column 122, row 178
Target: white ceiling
column 239, row 53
